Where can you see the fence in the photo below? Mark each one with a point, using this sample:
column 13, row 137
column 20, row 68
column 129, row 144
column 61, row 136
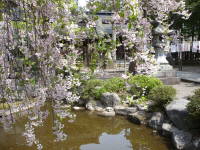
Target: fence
column 186, row 52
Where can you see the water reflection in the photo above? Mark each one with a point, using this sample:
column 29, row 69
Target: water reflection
column 110, row 142
column 87, row 132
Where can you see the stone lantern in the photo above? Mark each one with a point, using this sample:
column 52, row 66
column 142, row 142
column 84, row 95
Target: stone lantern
column 162, row 47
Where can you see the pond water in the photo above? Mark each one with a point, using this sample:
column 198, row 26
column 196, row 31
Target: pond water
column 88, row 132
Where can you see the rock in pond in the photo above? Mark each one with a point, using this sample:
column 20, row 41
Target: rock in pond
column 138, row 117
column 181, row 139
column 110, row 99
column 94, row 105
column 156, row 121
column 78, row 108
column 167, row 129
column 196, row 143
column 178, row 114
column 107, row 112
column 123, row 110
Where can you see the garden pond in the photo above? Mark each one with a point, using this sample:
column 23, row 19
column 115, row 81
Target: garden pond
column 87, row 132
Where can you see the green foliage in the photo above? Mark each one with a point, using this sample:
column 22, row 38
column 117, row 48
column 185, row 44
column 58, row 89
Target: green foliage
column 99, row 53
column 196, row 94
column 94, row 88
column 162, row 95
column 141, row 85
column 115, row 85
column 141, row 101
column 194, row 105
column 2, row 5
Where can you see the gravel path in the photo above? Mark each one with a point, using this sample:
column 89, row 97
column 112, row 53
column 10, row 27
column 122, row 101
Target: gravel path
column 194, row 69
column 185, row 89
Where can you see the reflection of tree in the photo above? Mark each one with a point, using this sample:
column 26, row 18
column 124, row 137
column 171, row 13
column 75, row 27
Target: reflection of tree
column 87, row 129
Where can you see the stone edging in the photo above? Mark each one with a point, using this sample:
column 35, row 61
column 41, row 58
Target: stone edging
column 182, row 140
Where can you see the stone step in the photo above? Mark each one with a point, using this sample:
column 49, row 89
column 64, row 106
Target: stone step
column 170, row 80
column 170, row 73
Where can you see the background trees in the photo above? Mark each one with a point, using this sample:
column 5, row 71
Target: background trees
column 190, row 27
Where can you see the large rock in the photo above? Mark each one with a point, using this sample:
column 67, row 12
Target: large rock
column 142, row 107
column 110, row 99
column 168, row 129
column 139, row 117
column 181, row 139
column 156, row 121
column 90, row 105
column 178, row 114
column 145, row 106
column 196, row 143
column 94, row 105
column 123, row 110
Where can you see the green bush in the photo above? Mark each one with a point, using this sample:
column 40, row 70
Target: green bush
column 93, row 89
column 116, row 84
column 162, row 95
column 196, row 94
column 141, row 85
column 194, row 105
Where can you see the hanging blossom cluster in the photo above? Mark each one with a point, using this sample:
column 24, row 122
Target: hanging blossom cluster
column 160, row 9
column 135, row 20
column 146, row 63
column 37, row 60
column 137, row 36
column 57, row 131
column 130, row 23
column 31, row 137
column 36, row 120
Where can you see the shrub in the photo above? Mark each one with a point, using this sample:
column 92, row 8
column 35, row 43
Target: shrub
column 116, row 84
column 93, row 89
column 196, row 94
column 194, row 105
column 162, row 95
column 141, row 85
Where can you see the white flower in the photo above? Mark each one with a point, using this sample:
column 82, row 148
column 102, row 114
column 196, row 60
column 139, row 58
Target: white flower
column 63, row 62
column 124, row 76
column 61, row 45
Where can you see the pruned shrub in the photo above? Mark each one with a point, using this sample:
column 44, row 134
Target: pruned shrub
column 116, row 84
column 195, row 95
column 93, row 89
column 162, row 95
column 194, row 105
column 141, row 85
